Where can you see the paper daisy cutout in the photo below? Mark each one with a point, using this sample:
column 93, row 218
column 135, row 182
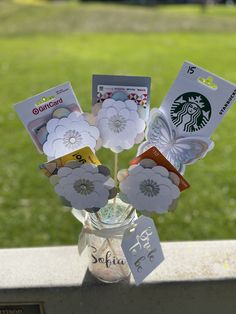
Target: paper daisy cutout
column 149, row 189
column 178, row 150
column 66, row 135
column 119, row 124
column 85, row 186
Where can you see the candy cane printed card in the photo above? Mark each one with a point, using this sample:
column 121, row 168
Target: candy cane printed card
column 123, row 88
column 138, row 94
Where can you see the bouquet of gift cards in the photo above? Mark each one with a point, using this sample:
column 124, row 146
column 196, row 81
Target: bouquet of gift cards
column 168, row 138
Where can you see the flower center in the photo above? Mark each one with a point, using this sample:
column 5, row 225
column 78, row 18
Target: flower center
column 149, row 187
column 72, row 139
column 117, row 123
column 84, row 186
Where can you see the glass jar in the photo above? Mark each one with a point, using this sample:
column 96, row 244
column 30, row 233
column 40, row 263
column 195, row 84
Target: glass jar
column 104, row 232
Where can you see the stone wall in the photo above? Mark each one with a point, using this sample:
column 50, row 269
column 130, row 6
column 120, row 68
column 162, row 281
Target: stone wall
column 196, row 277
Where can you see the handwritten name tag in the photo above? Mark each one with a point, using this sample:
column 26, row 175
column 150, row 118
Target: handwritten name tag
column 142, row 248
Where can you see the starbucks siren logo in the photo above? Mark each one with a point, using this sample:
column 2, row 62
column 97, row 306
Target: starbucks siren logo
column 190, row 110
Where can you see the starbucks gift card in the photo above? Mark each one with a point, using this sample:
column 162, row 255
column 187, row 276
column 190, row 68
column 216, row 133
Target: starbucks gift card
column 197, row 101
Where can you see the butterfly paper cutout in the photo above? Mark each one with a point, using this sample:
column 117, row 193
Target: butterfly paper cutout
column 180, row 151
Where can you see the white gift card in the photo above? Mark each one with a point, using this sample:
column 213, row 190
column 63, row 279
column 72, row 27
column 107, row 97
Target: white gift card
column 142, row 249
column 55, row 103
column 197, row 101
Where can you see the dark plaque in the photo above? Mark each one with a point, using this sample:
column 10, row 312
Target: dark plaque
column 21, row 308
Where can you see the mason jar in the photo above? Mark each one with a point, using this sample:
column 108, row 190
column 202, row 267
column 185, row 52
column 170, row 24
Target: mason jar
column 104, row 232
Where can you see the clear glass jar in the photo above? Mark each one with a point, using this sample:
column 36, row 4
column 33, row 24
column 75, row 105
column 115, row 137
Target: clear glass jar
column 106, row 229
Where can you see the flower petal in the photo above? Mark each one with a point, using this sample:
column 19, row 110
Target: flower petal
column 175, row 192
column 164, row 190
column 135, row 169
column 147, row 163
column 174, row 178
column 52, row 124
column 64, row 171
column 131, row 105
column 76, row 116
column 87, row 140
column 124, row 112
column 89, row 168
column 161, row 170
column 111, row 112
column 108, row 102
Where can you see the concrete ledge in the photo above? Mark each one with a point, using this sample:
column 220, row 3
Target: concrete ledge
column 196, row 277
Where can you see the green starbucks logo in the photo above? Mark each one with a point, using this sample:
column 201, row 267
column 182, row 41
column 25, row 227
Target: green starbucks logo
column 191, row 110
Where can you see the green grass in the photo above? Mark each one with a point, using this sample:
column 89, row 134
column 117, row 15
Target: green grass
column 34, row 59
column 25, row 20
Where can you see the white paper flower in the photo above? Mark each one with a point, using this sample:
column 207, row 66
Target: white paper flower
column 69, row 134
column 86, row 186
column 119, row 124
column 148, row 189
column 178, row 150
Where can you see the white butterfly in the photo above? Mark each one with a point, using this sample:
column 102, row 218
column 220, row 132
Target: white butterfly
column 178, row 150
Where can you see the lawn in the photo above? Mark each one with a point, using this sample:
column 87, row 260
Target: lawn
column 45, row 45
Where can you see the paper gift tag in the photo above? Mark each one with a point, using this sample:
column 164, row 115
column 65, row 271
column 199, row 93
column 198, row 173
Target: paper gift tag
column 197, row 101
column 142, row 249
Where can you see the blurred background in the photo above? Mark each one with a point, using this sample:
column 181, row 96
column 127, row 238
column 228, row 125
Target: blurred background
column 45, row 43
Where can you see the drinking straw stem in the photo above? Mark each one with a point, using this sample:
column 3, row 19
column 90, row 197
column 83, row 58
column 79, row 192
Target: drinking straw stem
column 127, row 213
column 115, row 176
column 115, row 167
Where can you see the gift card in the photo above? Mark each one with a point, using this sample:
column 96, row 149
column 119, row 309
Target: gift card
column 154, row 154
column 123, row 88
column 138, row 94
column 57, row 102
column 197, row 101
column 142, row 248
column 81, row 156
